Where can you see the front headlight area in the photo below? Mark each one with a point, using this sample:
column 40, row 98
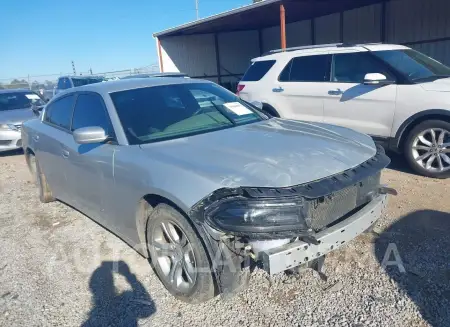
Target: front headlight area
column 8, row 127
column 244, row 215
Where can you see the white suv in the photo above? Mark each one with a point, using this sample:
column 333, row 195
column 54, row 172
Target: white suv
column 397, row 95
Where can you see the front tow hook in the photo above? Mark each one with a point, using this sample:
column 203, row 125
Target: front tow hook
column 387, row 190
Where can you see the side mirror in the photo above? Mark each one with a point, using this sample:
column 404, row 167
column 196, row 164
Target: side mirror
column 89, row 135
column 376, row 79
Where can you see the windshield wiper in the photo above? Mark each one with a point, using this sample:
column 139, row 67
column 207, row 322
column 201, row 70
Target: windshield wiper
column 222, row 112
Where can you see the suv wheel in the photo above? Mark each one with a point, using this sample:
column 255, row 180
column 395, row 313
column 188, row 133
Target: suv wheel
column 178, row 256
column 427, row 149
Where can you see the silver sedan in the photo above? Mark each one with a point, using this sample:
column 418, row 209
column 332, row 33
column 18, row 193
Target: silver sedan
column 15, row 108
column 201, row 182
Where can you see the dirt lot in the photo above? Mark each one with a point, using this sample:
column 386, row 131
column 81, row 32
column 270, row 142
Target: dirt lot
column 55, row 269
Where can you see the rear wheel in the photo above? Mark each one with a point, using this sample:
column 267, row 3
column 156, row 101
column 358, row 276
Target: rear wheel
column 427, row 149
column 178, row 256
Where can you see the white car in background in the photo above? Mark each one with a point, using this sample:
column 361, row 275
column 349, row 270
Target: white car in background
column 395, row 94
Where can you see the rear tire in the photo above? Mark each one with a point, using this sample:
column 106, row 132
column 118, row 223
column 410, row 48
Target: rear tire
column 427, row 149
column 45, row 194
column 178, row 256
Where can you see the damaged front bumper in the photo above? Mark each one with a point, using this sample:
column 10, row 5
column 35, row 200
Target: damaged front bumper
column 248, row 224
column 293, row 254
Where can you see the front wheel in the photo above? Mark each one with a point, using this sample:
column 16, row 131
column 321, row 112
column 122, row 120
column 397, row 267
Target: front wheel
column 427, row 149
column 178, row 256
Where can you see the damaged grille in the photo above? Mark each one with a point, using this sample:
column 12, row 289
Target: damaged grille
column 328, row 209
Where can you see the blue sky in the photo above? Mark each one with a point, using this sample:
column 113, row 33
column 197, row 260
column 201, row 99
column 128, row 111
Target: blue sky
column 43, row 37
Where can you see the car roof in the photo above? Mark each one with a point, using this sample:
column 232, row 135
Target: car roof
column 81, row 77
column 332, row 48
column 132, row 83
column 15, row 91
column 155, row 75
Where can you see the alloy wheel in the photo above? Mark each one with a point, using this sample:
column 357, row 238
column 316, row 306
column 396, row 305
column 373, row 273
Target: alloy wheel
column 175, row 256
column 431, row 149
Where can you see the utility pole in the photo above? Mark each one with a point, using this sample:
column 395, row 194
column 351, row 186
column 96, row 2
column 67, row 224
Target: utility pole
column 196, row 8
column 73, row 68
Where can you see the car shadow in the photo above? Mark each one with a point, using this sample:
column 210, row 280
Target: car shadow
column 358, row 90
column 111, row 308
column 11, row 153
column 414, row 252
column 398, row 163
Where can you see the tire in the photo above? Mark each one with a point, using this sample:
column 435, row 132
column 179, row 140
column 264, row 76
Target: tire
column 419, row 155
column 45, row 194
column 191, row 285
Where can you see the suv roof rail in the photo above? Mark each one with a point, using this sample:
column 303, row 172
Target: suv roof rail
column 318, row 46
column 342, row 45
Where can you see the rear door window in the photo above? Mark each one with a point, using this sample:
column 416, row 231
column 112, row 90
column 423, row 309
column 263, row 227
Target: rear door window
column 59, row 113
column 61, row 84
column 307, row 69
column 64, row 83
column 257, row 70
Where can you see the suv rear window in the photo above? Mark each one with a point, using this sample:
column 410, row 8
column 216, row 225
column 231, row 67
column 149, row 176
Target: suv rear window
column 257, row 70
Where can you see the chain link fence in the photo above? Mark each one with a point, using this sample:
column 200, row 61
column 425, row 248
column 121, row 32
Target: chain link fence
column 48, row 82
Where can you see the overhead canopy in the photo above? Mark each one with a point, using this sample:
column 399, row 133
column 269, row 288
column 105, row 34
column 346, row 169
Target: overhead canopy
column 264, row 14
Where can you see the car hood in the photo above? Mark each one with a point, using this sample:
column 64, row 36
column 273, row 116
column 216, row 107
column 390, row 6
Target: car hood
column 16, row 116
column 440, row 85
column 271, row 153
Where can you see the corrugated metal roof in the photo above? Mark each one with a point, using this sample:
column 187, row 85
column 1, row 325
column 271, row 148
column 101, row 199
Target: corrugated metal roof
column 263, row 14
column 252, row 6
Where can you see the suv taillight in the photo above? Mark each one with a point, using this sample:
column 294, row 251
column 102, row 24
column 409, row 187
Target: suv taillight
column 240, row 87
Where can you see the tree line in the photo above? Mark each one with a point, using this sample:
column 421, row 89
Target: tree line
column 20, row 84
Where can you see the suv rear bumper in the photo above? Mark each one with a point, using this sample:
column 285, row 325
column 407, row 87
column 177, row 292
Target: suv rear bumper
column 294, row 254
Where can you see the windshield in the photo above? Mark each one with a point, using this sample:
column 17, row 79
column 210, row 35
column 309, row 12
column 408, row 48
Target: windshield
column 171, row 111
column 19, row 100
column 86, row 81
column 415, row 65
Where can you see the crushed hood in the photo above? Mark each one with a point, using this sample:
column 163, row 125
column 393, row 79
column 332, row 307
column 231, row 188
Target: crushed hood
column 271, row 153
column 440, row 85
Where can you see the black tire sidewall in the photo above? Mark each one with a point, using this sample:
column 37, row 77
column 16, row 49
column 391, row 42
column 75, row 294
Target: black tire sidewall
column 409, row 142
column 203, row 289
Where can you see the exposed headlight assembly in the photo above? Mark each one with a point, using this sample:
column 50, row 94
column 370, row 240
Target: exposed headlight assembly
column 240, row 214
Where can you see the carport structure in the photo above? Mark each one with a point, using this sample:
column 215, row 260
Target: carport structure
column 220, row 47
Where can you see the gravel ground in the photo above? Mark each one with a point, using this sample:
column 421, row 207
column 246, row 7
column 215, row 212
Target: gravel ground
column 55, row 269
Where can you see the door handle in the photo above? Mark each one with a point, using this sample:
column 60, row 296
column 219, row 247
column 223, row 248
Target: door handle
column 65, row 154
column 36, row 138
column 335, row 92
column 278, row 90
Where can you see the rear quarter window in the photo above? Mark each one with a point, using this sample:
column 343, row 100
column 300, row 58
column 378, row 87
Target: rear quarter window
column 257, row 70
